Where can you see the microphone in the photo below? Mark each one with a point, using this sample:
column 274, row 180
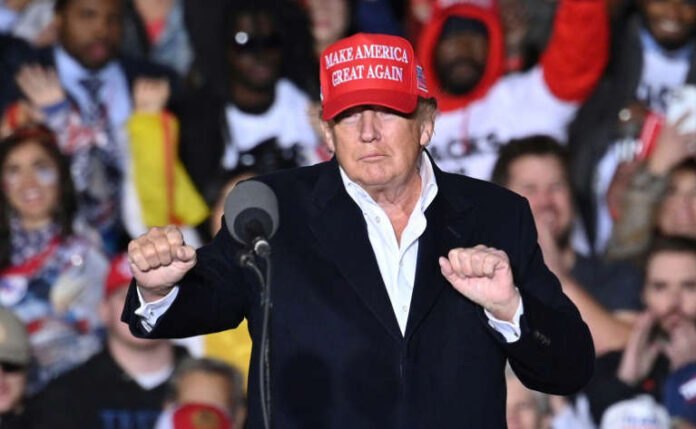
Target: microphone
column 251, row 215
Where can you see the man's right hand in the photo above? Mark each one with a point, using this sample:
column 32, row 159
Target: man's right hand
column 159, row 259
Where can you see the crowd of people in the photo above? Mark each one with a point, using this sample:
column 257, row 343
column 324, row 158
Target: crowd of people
column 120, row 115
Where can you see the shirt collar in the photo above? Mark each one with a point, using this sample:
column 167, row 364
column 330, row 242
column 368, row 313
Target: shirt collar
column 650, row 44
column 429, row 187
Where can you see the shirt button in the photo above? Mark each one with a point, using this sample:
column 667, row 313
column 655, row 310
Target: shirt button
column 404, row 308
column 377, row 219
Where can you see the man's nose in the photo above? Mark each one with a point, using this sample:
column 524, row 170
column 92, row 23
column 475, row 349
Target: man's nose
column 369, row 126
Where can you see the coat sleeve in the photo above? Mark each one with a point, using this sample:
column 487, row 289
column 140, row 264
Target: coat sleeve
column 214, row 296
column 578, row 51
column 555, row 353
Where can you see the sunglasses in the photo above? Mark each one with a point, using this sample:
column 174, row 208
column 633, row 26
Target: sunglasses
column 243, row 42
column 12, row 368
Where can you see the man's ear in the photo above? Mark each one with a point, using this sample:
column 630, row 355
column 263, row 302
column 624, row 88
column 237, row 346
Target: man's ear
column 328, row 136
column 427, row 128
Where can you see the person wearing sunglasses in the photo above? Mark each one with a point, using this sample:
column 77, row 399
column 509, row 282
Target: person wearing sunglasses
column 261, row 105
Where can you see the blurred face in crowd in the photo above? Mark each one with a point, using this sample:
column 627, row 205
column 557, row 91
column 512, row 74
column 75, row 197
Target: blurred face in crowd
column 90, row 30
column 218, row 209
column 255, row 53
column 522, row 409
column 204, row 387
column 330, row 20
column 542, row 181
column 377, row 147
column 671, row 22
column 670, row 288
column 677, row 214
column 110, row 311
column 13, row 381
column 30, row 181
column 460, row 60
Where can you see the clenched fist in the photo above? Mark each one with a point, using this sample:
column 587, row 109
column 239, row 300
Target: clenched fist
column 483, row 275
column 159, row 259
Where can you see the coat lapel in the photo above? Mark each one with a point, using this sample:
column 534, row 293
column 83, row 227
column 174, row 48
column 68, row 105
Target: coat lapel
column 450, row 224
column 341, row 233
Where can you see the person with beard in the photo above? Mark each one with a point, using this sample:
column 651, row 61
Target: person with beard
column 82, row 89
column 660, row 355
column 260, row 107
column 607, row 294
column 462, row 52
column 653, row 57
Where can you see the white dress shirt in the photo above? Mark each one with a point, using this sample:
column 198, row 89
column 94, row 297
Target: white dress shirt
column 396, row 260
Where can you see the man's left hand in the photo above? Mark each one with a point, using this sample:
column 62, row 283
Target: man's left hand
column 483, row 275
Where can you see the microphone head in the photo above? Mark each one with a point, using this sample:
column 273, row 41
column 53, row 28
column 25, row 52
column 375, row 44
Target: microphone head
column 251, row 205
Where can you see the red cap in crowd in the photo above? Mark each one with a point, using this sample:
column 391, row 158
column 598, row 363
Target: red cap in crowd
column 373, row 69
column 119, row 276
column 199, row 416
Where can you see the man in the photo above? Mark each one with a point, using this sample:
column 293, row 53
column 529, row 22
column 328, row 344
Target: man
column 660, row 357
column 399, row 291
column 82, row 89
column 654, row 56
column 209, row 382
column 607, row 295
column 15, row 356
column 462, row 51
column 121, row 387
column 261, row 110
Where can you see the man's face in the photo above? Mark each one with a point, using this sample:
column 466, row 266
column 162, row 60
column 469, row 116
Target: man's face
column 460, row 60
column 670, row 288
column 677, row 214
column 522, row 411
column 541, row 180
column 13, row 381
column 671, row 22
column 255, row 54
column 378, row 147
column 90, row 31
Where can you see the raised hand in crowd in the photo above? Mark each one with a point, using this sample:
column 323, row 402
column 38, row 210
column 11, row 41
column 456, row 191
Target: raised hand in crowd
column 159, row 259
column 483, row 275
column 150, row 95
column 681, row 347
column 40, row 85
column 641, row 351
column 553, row 256
column 672, row 146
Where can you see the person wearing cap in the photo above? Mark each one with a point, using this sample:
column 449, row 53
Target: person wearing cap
column 15, row 356
column 123, row 386
column 399, row 291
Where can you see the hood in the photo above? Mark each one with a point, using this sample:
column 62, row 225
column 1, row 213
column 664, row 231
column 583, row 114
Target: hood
column 485, row 11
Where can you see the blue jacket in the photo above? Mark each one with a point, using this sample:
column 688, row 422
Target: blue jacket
column 338, row 358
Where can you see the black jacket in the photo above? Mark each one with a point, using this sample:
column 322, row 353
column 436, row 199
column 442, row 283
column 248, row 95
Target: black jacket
column 338, row 357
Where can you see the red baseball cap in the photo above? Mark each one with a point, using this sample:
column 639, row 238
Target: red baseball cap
column 200, row 416
column 374, row 69
column 119, row 276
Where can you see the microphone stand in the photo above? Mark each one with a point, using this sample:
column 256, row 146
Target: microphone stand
column 246, row 259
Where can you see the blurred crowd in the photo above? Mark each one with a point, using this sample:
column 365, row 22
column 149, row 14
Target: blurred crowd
column 120, row 115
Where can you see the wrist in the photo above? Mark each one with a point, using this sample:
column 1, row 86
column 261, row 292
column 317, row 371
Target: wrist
column 154, row 294
column 506, row 311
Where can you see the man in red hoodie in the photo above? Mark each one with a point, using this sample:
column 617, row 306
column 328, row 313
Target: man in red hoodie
column 462, row 52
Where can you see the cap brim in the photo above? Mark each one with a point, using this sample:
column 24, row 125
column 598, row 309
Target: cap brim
column 399, row 101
